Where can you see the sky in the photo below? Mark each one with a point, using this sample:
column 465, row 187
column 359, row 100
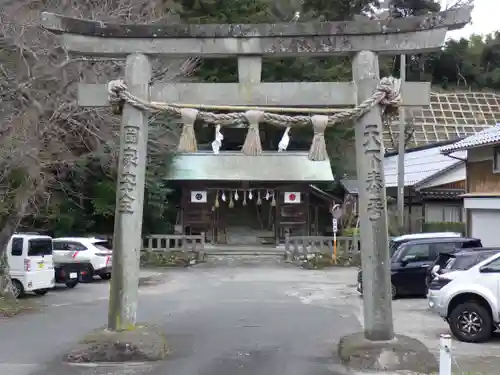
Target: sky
column 485, row 18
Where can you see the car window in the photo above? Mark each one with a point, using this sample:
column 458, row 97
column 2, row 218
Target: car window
column 17, row 246
column 103, row 246
column 69, row 246
column 495, row 265
column 420, row 251
column 58, row 245
column 471, row 244
column 484, row 256
column 462, row 262
column 39, row 246
column 446, row 247
column 76, row 246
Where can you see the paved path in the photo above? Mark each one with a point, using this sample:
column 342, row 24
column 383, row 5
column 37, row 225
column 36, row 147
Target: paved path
column 232, row 316
column 238, row 319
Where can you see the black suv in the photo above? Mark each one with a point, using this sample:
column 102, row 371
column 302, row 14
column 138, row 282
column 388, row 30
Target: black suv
column 411, row 260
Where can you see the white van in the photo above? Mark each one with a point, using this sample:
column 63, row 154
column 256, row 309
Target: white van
column 30, row 263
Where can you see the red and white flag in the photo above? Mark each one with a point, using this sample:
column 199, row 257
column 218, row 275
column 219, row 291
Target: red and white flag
column 292, row 197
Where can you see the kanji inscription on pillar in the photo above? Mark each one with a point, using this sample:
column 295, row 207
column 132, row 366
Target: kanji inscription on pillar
column 372, row 147
column 128, row 176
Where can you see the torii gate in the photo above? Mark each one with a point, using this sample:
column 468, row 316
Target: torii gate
column 364, row 39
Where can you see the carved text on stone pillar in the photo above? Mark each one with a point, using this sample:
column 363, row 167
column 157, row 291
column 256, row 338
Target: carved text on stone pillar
column 372, row 147
column 128, row 177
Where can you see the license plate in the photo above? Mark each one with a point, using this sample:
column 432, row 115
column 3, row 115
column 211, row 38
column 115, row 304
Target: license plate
column 73, row 275
column 40, row 265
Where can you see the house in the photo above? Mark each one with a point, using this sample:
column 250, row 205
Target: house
column 434, row 184
column 252, row 200
column 482, row 197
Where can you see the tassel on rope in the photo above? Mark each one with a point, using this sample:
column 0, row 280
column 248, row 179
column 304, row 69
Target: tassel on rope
column 318, row 152
column 187, row 143
column 252, row 145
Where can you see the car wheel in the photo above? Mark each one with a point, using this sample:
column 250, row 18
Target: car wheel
column 41, row 292
column 71, row 284
column 106, row 276
column 17, row 289
column 471, row 322
column 394, row 291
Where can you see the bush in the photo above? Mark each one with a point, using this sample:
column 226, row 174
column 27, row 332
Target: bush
column 350, row 232
column 443, row 226
column 168, row 259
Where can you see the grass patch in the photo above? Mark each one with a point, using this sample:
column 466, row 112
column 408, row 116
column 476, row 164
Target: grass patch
column 9, row 308
column 169, row 259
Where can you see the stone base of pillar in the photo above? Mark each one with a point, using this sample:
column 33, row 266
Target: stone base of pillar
column 403, row 353
column 141, row 343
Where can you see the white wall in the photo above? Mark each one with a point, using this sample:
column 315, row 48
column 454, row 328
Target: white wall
column 457, row 173
column 480, row 154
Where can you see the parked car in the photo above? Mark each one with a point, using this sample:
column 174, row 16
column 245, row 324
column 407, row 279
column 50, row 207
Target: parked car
column 30, row 261
column 68, row 270
column 411, row 259
column 456, row 263
column 93, row 250
column 444, row 258
column 470, row 301
column 395, row 242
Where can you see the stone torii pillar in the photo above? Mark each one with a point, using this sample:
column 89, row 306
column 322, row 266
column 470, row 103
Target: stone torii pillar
column 250, row 43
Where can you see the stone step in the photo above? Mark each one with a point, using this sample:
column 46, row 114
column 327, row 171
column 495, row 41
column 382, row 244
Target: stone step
column 244, row 253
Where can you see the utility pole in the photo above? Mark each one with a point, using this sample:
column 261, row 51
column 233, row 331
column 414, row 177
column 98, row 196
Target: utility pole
column 401, row 151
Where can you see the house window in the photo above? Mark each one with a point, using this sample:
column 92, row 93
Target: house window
column 496, row 160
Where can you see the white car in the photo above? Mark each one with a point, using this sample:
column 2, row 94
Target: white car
column 470, row 300
column 30, row 262
column 91, row 249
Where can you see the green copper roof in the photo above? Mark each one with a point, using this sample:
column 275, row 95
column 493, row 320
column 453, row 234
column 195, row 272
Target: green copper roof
column 235, row 166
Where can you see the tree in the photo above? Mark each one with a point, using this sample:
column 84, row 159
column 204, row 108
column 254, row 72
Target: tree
column 56, row 157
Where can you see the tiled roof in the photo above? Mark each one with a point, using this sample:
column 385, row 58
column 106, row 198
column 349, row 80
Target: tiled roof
column 236, row 166
column 419, row 166
column 486, row 137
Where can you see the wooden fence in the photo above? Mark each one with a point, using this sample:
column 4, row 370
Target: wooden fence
column 303, row 245
column 174, row 242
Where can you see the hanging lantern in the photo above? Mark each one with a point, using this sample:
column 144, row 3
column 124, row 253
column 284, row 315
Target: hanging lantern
column 267, row 195
column 231, row 201
column 223, row 197
column 273, row 202
column 244, row 199
column 236, row 196
column 250, row 195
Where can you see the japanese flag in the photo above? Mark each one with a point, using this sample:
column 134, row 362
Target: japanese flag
column 292, row 197
column 199, row 197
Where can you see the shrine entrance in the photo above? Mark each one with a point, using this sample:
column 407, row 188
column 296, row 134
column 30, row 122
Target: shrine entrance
column 251, row 201
column 251, row 102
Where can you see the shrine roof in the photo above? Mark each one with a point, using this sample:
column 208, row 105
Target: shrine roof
column 236, row 166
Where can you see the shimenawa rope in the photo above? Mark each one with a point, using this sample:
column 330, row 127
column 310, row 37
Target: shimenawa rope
column 388, row 93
